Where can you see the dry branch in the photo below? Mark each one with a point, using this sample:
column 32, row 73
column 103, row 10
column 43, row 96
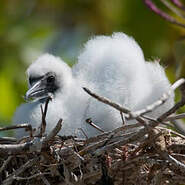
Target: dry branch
column 11, row 177
column 34, row 145
column 18, row 126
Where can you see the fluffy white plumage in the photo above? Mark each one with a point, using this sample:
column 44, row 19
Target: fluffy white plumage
column 65, row 100
column 116, row 67
column 112, row 66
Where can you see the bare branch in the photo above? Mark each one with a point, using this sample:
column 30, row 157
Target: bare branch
column 17, row 126
column 89, row 121
column 18, row 178
column 177, row 164
column 177, row 105
column 83, row 132
column 123, row 118
column 175, row 117
column 159, row 102
column 155, row 120
column 5, row 164
column 107, row 101
column 53, row 132
column 27, row 165
column 7, row 140
column 173, row 132
column 179, row 126
column 149, row 108
column 43, row 124
column 34, row 145
column 13, row 149
column 45, row 181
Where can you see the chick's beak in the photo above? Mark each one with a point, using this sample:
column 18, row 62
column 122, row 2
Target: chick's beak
column 37, row 91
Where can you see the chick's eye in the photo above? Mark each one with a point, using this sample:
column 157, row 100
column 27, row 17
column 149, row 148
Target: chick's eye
column 30, row 81
column 50, row 79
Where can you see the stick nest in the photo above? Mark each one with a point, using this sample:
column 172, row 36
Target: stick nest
column 142, row 153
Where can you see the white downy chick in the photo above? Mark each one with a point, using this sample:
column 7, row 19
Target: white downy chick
column 114, row 66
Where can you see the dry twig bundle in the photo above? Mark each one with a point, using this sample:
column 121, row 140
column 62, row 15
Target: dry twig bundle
column 142, row 153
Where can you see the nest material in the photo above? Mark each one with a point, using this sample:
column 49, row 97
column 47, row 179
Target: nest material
column 142, row 153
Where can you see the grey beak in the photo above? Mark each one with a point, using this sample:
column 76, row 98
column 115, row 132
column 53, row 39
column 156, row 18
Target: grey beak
column 38, row 90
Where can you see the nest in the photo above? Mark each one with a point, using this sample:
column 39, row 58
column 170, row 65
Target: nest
column 142, row 153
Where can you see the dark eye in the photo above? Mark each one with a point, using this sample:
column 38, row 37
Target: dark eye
column 30, row 81
column 50, row 79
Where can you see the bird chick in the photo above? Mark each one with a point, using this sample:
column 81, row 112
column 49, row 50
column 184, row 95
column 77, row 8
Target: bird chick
column 112, row 66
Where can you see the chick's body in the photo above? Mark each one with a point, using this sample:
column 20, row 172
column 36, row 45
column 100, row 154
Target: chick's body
column 112, row 66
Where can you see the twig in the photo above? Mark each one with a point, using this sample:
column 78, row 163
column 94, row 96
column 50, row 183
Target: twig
column 179, row 126
column 178, row 156
column 175, row 117
column 136, row 114
column 177, row 147
column 46, row 182
column 160, row 146
column 173, row 132
column 14, row 149
column 107, row 101
column 159, row 102
column 155, row 120
column 104, row 135
column 67, row 174
column 32, row 146
column 92, row 175
column 140, row 133
column 5, row 164
column 145, row 143
column 138, row 159
column 24, row 125
column 135, row 125
column 123, row 118
column 122, row 141
column 92, row 147
column 123, row 129
column 115, row 105
column 179, row 104
column 142, row 121
column 43, row 124
column 53, row 132
column 7, row 140
column 83, row 132
column 18, row 178
column 177, row 164
column 27, row 165
column 89, row 121
column 103, row 142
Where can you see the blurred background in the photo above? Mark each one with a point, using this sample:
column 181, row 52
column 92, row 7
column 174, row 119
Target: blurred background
column 61, row 27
